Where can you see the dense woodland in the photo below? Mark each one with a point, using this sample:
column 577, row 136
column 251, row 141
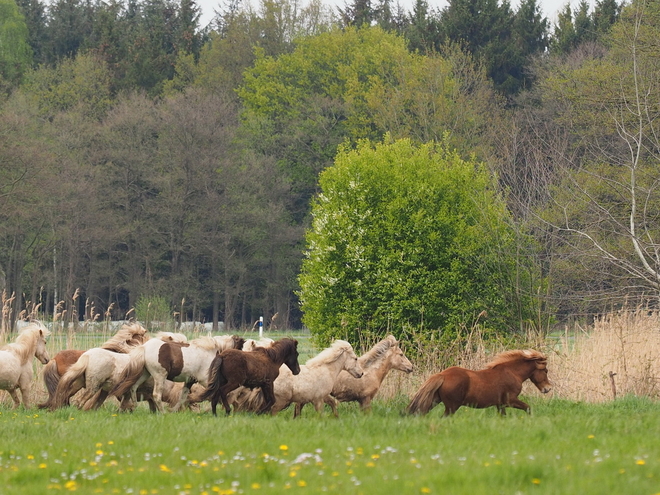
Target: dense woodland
column 143, row 156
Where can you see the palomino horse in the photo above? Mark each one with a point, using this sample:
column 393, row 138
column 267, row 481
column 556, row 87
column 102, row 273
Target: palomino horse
column 180, row 362
column 97, row 371
column 316, row 379
column 127, row 337
column 386, row 355
column 499, row 384
column 16, row 362
column 259, row 368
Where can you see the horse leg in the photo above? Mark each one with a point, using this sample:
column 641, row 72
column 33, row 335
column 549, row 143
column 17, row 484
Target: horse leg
column 25, row 386
column 96, row 401
column 184, row 394
column 518, row 404
column 332, row 402
column 223, row 392
column 158, row 392
column 365, row 404
column 14, row 397
column 269, row 398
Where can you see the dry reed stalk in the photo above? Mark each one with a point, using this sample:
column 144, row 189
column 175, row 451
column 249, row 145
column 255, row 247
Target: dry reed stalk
column 626, row 343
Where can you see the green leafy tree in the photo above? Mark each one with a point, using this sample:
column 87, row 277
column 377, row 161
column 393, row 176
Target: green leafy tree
column 407, row 238
column 15, row 51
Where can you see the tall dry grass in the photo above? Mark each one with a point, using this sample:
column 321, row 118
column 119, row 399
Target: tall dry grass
column 616, row 356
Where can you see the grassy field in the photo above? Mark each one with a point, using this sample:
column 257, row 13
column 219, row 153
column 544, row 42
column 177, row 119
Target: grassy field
column 564, row 447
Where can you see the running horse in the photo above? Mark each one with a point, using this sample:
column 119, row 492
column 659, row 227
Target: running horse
column 126, row 338
column 499, row 384
column 179, row 362
column 16, row 362
column 386, row 355
column 259, row 368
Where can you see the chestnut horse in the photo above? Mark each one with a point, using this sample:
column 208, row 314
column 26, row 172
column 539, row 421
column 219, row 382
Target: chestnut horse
column 259, row 368
column 127, row 337
column 499, row 384
column 386, row 355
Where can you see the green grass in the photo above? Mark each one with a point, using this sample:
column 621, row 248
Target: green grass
column 562, row 448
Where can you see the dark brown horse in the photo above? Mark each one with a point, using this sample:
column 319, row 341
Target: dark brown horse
column 498, row 385
column 232, row 368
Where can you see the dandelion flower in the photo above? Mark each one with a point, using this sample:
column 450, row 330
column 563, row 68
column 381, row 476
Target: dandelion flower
column 165, row 469
column 255, row 486
column 640, row 462
column 284, row 448
column 425, row 489
column 536, row 481
column 302, row 483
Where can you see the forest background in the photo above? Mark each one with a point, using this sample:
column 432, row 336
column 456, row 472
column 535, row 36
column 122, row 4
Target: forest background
column 147, row 161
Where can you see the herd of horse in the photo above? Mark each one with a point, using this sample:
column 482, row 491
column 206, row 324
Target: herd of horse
column 170, row 373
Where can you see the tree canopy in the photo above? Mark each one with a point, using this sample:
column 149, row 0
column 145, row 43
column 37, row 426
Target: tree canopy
column 406, row 238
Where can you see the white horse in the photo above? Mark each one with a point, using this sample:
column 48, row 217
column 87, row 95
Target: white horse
column 16, row 362
column 97, row 371
column 314, row 382
column 180, row 362
column 386, row 355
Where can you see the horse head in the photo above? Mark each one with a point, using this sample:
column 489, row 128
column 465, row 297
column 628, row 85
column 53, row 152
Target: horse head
column 40, row 350
column 238, row 342
column 539, row 376
column 399, row 360
column 291, row 359
column 351, row 363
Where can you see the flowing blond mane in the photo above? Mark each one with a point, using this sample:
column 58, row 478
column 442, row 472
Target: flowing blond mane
column 329, row 354
column 130, row 335
column 377, row 352
column 207, row 343
column 171, row 337
column 516, row 355
column 26, row 341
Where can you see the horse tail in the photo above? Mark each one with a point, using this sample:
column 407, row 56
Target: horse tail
column 427, row 396
column 51, row 379
column 131, row 373
column 216, row 379
column 70, row 382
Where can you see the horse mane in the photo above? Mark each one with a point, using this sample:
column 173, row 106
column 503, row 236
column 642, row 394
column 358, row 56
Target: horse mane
column 329, row 354
column 377, row 352
column 277, row 349
column 26, row 341
column 516, row 355
column 127, row 337
column 171, row 337
column 207, row 343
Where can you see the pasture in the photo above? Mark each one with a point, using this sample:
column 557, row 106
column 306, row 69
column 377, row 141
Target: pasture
column 563, row 447
column 587, row 436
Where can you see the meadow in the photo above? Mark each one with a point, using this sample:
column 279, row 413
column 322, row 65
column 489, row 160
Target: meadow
column 597, row 432
column 563, row 447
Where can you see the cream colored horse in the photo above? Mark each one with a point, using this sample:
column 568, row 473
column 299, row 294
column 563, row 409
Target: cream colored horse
column 315, row 380
column 16, row 362
column 97, row 370
column 188, row 362
column 386, row 355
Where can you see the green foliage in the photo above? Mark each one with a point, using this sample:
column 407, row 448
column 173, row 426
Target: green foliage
column 407, row 238
column 15, row 52
column 150, row 309
column 83, row 83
